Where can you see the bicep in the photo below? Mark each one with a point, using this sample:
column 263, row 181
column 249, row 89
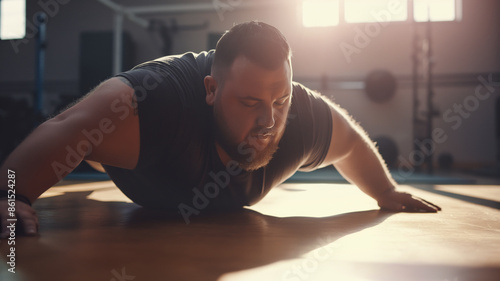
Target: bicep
column 343, row 137
column 105, row 125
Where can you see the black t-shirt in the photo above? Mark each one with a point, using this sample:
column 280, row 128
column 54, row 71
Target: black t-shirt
column 179, row 167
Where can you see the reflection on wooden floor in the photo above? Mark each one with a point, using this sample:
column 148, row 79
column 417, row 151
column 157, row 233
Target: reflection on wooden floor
column 90, row 231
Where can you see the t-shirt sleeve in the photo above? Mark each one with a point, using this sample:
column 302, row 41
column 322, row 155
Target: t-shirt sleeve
column 169, row 91
column 315, row 121
column 158, row 108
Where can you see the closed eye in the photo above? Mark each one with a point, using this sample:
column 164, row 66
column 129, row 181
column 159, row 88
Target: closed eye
column 282, row 101
column 249, row 104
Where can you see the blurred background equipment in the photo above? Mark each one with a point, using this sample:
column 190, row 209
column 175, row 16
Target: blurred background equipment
column 41, row 44
column 389, row 151
column 380, row 86
column 424, row 110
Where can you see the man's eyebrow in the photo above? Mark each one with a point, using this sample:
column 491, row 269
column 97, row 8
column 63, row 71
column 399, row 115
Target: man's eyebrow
column 257, row 99
column 250, row 98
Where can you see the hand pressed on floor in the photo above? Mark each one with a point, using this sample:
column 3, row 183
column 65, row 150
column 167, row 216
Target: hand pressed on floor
column 27, row 220
column 397, row 201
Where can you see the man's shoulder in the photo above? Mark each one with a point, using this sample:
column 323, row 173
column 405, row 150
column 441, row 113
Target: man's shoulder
column 173, row 65
column 302, row 96
column 176, row 74
column 200, row 60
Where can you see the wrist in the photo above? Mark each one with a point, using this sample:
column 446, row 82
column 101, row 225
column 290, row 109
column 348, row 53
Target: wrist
column 379, row 195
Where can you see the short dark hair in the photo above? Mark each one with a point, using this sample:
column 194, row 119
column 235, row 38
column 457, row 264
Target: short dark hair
column 259, row 42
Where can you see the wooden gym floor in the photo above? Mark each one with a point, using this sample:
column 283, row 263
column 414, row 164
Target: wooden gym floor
column 91, row 231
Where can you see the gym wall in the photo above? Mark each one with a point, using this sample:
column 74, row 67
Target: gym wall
column 464, row 50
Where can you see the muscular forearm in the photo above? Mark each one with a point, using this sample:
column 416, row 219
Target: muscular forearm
column 364, row 167
column 40, row 161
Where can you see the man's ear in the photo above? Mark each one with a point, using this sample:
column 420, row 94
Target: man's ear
column 210, row 88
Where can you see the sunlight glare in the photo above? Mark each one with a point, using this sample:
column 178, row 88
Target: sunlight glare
column 439, row 10
column 357, row 11
column 317, row 13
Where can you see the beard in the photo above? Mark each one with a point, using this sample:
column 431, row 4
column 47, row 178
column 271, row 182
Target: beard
column 254, row 152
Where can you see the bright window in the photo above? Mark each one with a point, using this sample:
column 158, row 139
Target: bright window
column 438, row 10
column 356, row 11
column 327, row 12
column 12, row 19
column 320, row 13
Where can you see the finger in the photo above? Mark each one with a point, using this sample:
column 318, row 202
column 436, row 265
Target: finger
column 35, row 218
column 434, row 205
column 29, row 226
column 29, row 223
column 416, row 205
column 392, row 206
column 37, row 223
column 429, row 204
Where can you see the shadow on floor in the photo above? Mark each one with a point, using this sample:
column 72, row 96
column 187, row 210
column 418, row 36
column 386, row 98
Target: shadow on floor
column 82, row 239
column 471, row 199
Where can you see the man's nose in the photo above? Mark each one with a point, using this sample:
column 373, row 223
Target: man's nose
column 266, row 118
